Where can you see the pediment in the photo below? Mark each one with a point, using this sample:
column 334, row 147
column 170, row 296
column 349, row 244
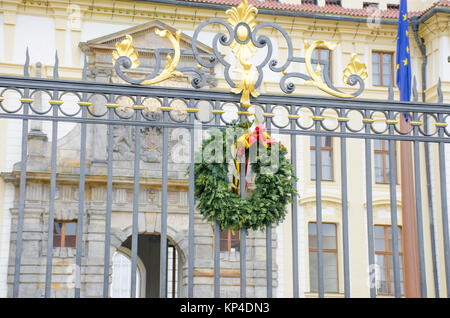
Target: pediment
column 144, row 39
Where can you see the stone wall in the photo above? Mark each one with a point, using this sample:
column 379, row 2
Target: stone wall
column 35, row 236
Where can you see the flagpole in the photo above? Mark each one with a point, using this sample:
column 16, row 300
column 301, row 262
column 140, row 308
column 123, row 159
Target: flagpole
column 409, row 229
column 411, row 271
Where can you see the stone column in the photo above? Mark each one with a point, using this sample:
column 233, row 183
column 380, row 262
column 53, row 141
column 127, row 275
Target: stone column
column 99, row 132
column 9, row 23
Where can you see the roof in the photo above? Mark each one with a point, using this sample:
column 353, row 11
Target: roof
column 328, row 9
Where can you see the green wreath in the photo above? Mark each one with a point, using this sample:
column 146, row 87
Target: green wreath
column 218, row 201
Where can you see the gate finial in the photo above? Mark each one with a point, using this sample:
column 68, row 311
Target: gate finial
column 55, row 67
column 26, row 67
column 439, row 92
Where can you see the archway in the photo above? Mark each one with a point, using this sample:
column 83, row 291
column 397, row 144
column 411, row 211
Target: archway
column 148, row 273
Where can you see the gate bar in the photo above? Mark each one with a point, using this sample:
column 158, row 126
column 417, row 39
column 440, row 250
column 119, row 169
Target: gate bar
column 318, row 159
column 81, row 204
column 268, row 230
column 243, row 232
column 48, row 269
column 191, row 207
column 393, row 201
column 345, row 212
column 163, row 253
column 134, row 238
column 22, row 189
column 445, row 225
column 418, row 193
column 217, row 229
column 109, row 195
column 294, row 214
column 369, row 209
column 216, row 259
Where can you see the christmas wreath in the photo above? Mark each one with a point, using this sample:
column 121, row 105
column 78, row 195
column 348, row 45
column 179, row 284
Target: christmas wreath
column 219, row 199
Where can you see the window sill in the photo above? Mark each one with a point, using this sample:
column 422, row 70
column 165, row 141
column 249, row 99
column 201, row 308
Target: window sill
column 327, row 295
column 230, row 255
column 387, row 296
column 64, row 251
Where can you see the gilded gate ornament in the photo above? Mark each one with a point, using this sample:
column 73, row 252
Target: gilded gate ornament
column 242, row 37
column 126, row 48
column 355, row 67
column 244, row 13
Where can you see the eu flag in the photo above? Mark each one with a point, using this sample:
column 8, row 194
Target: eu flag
column 403, row 64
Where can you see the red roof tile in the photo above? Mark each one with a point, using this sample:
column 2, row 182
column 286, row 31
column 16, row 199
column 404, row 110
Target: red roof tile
column 332, row 9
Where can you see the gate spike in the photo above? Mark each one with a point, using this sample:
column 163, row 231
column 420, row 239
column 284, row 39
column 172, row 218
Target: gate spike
column 414, row 90
column 84, row 74
column 26, row 67
column 390, row 93
column 55, row 67
column 439, row 91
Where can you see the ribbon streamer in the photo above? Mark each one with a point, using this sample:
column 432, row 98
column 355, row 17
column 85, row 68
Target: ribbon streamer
column 255, row 133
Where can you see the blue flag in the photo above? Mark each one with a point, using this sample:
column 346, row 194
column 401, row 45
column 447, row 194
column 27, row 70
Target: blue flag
column 403, row 65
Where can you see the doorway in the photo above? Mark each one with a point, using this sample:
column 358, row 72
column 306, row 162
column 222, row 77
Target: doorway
column 148, row 268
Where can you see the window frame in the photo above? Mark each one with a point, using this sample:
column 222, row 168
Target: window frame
column 370, row 4
column 228, row 238
column 388, row 253
column 331, row 150
column 315, row 250
column 62, row 241
column 309, row 2
column 173, row 262
column 333, row 2
column 385, row 157
column 380, row 60
column 330, row 61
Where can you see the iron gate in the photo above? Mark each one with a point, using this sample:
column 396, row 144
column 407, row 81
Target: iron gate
column 428, row 124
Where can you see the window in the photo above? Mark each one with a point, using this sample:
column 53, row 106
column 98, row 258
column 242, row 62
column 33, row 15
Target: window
column 325, row 55
column 65, row 234
column 384, row 271
column 382, row 69
column 382, row 169
column 172, row 279
column 229, row 239
column 370, row 4
column 121, row 275
column 326, row 150
column 309, row 2
column 335, row 2
column 329, row 247
column 392, row 6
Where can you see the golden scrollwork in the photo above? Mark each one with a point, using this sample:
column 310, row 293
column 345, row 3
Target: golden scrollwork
column 355, row 67
column 169, row 70
column 126, row 48
column 246, row 85
column 245, row 13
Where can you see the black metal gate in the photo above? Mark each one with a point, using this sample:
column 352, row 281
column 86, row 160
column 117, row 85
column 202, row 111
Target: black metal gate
column 428, row 124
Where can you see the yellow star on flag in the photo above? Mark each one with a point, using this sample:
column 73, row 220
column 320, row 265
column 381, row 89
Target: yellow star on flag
column 404, row 17
column 405, row 61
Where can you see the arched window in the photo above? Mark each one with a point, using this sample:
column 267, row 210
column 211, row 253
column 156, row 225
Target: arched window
column 121, row 275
